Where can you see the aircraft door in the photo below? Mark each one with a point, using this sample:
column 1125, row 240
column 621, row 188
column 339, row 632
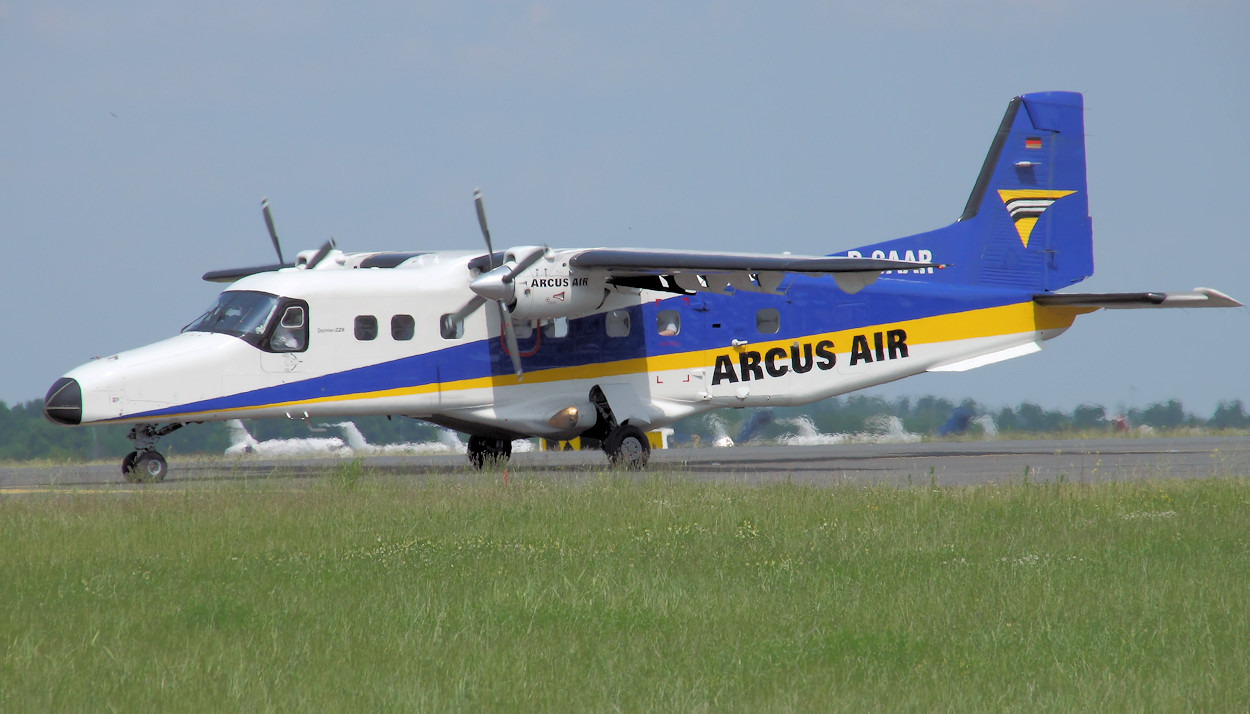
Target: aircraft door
column 287, row 341
column 673, row 329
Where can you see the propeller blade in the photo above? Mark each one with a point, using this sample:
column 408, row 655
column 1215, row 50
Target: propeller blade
column 273, row 233
column 526, row 262
column 509, row 333
column 321, row 254
column 469, row 308
column 481, row 221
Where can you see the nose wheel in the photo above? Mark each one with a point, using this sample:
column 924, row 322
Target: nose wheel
column 145, row 464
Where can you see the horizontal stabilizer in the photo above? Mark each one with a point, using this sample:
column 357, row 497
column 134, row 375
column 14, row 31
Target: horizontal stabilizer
column 1198, row 297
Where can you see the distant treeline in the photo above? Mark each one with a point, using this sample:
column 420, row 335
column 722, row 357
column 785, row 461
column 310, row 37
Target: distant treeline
column 856, row 413
column 25, row 434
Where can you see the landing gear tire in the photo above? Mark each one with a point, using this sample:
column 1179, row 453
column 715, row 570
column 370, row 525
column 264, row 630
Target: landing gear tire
column 484, row 451
column 144, row 467
column 627, row 448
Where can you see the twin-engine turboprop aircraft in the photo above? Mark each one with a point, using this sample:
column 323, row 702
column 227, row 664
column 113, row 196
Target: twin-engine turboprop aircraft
column 607, row 343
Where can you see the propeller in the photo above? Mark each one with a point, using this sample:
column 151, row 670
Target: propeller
column 496, row 282
column 230, row 275
column 496, row 285
column 319, row 256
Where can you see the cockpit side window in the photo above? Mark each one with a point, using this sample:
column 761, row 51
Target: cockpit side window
column 290, row 334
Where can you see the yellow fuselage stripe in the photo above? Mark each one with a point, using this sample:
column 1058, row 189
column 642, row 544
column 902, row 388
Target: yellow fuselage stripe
column 950, row 327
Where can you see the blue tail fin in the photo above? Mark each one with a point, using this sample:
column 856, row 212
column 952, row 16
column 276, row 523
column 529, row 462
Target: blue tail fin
column 1026, row 224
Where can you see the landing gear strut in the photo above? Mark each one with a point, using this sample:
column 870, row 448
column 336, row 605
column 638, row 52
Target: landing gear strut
column 485, row 451
column 145, row 464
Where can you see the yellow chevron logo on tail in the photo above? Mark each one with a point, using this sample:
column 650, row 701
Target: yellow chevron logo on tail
column 1027, row 205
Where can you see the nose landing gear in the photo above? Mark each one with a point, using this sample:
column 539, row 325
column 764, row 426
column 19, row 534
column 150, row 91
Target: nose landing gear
column 145, row 464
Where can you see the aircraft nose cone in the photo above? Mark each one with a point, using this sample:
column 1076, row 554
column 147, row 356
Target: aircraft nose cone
column 63, row 404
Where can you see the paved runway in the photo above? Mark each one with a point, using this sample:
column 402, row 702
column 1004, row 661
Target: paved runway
column 940, row 463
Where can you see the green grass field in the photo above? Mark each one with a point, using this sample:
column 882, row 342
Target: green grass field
column 368, row 593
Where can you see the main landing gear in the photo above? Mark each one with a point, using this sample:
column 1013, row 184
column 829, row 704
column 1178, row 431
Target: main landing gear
column 625, row 444
column 485, row 451
column 145, row 464
column 627, row 448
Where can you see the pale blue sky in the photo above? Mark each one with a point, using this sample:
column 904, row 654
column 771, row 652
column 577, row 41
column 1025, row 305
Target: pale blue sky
column 140, row 137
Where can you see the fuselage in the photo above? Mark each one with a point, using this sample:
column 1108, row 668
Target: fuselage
column 346, row 342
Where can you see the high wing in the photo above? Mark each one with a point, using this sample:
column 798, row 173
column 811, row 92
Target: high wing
column 682, row 271
column 1198, row 297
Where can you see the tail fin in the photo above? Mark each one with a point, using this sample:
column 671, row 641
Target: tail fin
column 1026, row 224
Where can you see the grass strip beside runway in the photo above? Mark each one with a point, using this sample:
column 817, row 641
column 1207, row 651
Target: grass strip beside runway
column 373, row 594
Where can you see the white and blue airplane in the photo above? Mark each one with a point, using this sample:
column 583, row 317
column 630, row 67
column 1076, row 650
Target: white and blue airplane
column 607, row 343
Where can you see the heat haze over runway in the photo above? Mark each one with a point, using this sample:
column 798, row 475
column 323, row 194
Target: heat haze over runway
column 940, row 463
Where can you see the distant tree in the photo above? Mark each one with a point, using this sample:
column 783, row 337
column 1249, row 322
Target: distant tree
column 1006, row 420
column 928, row 414
column 1028, row 417
column 1089, row 416
column 1160, row 415
column 1229, row 415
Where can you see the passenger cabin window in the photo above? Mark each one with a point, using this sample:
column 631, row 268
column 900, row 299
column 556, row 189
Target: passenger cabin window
column 291, row 332
column 402, row 327
column 768, row 321
column 366, row 327
column 451, row 327
column 668, row 323
column 617, row 323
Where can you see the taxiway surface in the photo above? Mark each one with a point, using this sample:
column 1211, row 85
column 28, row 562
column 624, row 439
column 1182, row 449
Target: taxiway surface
column 936, row 463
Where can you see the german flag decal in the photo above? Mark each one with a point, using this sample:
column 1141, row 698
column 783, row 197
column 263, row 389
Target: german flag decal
column 1033, row 142
column 1027, row 205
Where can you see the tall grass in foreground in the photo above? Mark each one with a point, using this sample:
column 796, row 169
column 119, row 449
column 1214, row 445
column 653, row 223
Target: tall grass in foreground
column 357, row 594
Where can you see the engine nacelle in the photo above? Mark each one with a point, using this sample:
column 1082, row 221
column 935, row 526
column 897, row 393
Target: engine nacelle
column 550, row 288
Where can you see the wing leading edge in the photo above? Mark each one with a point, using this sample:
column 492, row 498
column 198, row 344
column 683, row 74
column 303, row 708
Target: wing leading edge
column 695, row 271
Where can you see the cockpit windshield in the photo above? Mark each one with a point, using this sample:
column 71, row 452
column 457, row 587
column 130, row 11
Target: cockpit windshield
column 241, row 313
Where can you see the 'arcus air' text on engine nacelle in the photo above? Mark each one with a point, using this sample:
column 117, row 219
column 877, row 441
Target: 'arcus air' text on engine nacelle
column 551, row 288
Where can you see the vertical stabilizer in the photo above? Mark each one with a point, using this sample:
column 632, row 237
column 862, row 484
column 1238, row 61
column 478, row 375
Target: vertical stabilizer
column 1026, row 224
